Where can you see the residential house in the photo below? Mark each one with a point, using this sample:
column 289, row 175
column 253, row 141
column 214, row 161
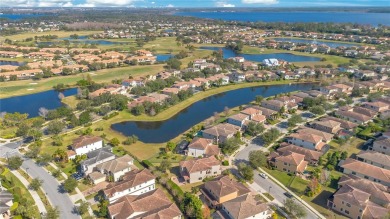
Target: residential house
column 328, row 126
column 223, row 189
column 94, row 158
column 309, row 141
column 326, row 137
column 202, row 147
column 275, row 105
column 353, row 116
column 153, row 204
column 135, row 182
column 221, row 132
column 85, row 144
column 376, row 106
column 289, row 162
column 251, row 112
column 381, row 145
column 245, row 207
column 344, row 124
column 115, row 169
column 374, row 158
column 379, row 193
column 366, row 171
column 238, row 119
column 355, row 203
column 311, row 156
column 270, row 62
column 200, row 168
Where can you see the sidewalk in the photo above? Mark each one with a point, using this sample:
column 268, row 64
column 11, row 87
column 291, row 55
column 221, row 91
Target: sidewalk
column 34, row 194
column 295, row 196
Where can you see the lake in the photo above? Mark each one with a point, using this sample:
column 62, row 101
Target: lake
column 295, row 16
column 228, row 53
column 163, row 131
column 32, row 102
column 2, row 62
column 19, row 16
column 318, row 42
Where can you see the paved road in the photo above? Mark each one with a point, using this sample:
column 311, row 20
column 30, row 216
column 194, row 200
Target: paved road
column 276, row 191
column 50, row 185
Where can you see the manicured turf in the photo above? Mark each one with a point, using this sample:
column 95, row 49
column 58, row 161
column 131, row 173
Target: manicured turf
column 15, row 88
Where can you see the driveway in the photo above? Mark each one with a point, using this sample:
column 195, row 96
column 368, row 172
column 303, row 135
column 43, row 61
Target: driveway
column 50, row 185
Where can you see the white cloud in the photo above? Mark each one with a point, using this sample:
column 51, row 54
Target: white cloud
column 97, row 3
column 265, row 2
column 170, row 6
column 224, row 4
column 18, row 3
column 54, row 3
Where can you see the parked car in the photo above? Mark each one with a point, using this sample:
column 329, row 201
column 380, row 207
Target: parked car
column 264, row 175
column 289, row 195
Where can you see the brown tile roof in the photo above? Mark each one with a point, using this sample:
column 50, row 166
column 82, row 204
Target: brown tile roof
column 310, row 155
column 354, row 115
column 307, row 137
column 199, row 164
column 250, row 111
column 364, row 111
column 344, row 123
column 223, row 129
column 267, row 112
column 224, row 186
column 244, row 207
column 130, row 180
column 239, row 117
column 327, row 123
column 367, row 169
column 206, row 145
column 375, row 157
column 85, row 140
column 324, row 135
column 154, row 204
column 377, row 190
column 117, row 164
column 291, row 158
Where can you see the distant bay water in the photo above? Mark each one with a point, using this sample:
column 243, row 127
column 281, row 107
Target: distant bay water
column 373, row 19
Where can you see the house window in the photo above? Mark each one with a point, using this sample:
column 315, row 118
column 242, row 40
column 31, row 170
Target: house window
column 353, row 173
column 347, row 212
column 365, row 177
column 348, row 205
column 285, row 164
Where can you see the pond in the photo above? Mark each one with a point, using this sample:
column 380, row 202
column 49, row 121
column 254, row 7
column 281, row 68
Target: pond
column 32, row 102
column 163, row 131
column 318, row 42
column 163, row 57
column 2, row 62
column 228, row 53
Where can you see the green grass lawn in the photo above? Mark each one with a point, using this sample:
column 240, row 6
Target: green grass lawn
column 298, row 186
column 282, row 177
column 18, row 185
column 352, row 146
column 164, row 45
column 15, row 88
column 60, row 34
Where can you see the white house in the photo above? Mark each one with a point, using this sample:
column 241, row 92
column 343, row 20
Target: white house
column 136, row 182
column 238, row 119
column 270, row 62
column 202, row 147
column 84, row 145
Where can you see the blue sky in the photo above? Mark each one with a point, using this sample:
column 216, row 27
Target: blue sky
column 191, row 3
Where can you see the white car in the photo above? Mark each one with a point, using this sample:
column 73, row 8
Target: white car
column 264, row 175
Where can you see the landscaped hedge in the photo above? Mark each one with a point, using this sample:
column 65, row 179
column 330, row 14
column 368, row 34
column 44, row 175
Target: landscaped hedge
column 109, row 116
column 174, row 186
column 147, row 164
